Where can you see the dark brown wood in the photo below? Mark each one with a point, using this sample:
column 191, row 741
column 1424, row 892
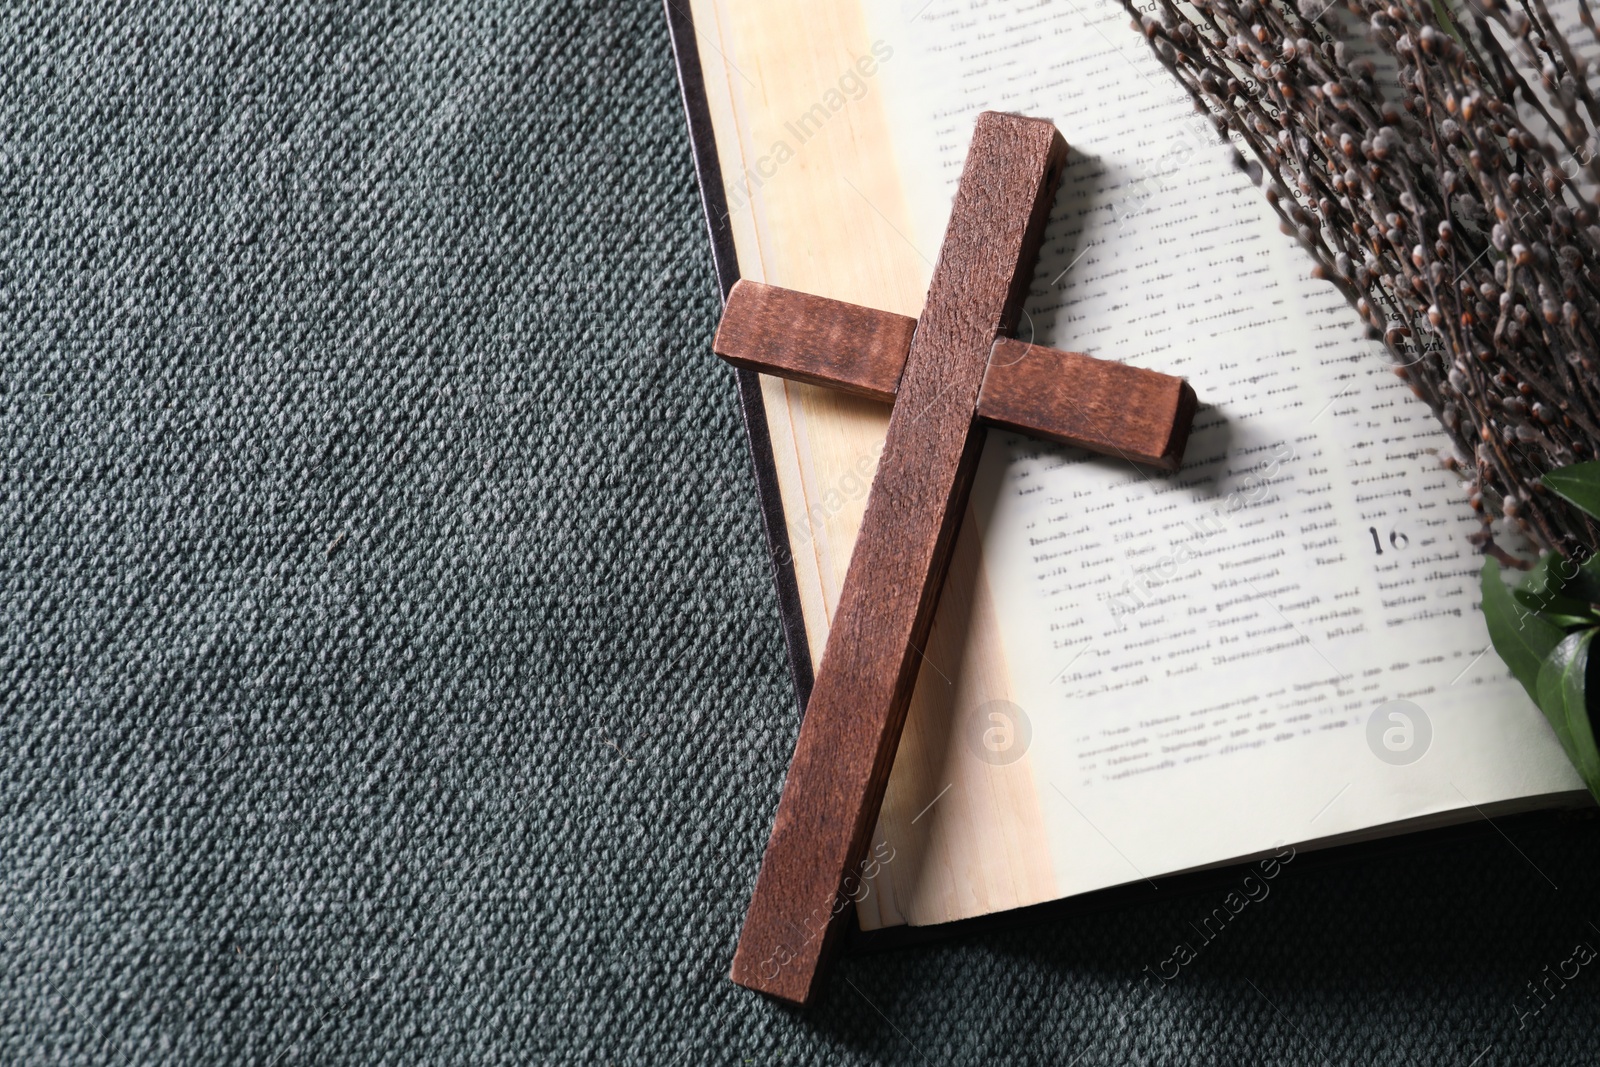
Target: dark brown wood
column 814, row 339
column 1099, row 404
column 852, row 725
column 1102, row 405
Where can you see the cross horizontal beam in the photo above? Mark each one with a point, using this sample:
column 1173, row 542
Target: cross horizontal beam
column 1098, row 404
column 814, row 340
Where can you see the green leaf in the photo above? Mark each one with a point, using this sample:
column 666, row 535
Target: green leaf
column 1561, row 610
column 1441, row 11
column 1520, row 636
column 1564, row 701
column 1548, row 575
column 1551, row 703
column 1579, row 484
column 1568, row 622
column 1567, row 577
column 1584, row 582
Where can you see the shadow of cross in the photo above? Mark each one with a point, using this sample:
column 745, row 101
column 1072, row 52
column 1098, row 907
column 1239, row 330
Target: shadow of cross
column 948, row 373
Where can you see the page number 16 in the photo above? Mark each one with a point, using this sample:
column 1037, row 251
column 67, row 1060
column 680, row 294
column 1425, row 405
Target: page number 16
column 1397, row 540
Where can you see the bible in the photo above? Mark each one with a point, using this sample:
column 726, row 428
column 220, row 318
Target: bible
column 1133, row 674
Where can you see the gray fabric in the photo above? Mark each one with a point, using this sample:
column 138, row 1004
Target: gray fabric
column 390, row 671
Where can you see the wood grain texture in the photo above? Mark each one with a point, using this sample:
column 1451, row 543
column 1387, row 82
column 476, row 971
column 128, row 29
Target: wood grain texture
column 1098, row 404
column 851, row 728
column 814, row 339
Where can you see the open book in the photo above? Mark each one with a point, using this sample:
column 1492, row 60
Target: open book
column 1131, row 674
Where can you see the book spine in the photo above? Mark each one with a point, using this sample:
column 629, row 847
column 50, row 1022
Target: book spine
column 714, row 202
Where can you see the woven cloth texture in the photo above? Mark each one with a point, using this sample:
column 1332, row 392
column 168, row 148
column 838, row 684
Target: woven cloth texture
column 391, row 669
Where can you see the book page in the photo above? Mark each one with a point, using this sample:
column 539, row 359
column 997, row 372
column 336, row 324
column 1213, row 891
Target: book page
column 1279, row 643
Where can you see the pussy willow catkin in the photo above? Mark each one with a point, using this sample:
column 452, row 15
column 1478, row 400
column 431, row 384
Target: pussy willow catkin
column 1459, row 234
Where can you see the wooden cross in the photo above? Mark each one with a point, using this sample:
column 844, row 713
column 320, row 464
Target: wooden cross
column 948, row 373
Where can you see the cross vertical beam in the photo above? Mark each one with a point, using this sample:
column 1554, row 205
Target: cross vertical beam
column 852, row 725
